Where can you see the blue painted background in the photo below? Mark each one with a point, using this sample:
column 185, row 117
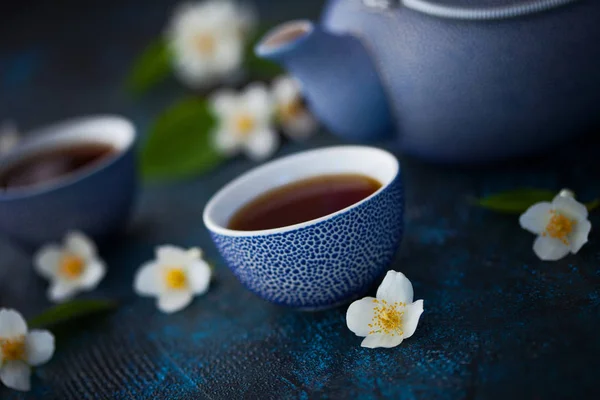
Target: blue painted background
column 498, row 322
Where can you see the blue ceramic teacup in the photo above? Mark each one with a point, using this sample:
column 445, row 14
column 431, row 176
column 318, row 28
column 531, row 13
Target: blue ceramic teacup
column 323, row 262
column 96, row 200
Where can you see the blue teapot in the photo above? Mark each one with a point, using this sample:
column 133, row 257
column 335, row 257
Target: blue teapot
column 452, row 80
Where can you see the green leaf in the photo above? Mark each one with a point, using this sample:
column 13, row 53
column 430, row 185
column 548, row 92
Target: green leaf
column 515, row 201
column 592, row 205
column 150, row 68
column 257, row 67
column 179, row 144
column 519, row 200
column 71, row 310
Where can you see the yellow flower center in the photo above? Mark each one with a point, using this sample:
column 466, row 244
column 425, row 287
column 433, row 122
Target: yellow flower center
column 71, row 266
column 244, row 124
column 205, row 43
column 291, row 110
column 175, row 278
column 14, row 349
column 387, row 318
column 559, row 227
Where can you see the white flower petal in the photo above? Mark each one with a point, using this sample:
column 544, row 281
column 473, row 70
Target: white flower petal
column 580, row 237
column 39, row 346
column 61, row 290
column 226, row 142
column 47, row 260
column 262, row 145
column 360, row 315
column 536, row 218
column 94, row 272
column 229, row 55
column 380, row 340
column 172, row 256
column 147, row 280
column 410, row 319
column 301, row 127
column 549, row 249
column 395, row 288
column 12, row 324
column 198, row 274
column 174, row 301
column 571, row 207
column 224, row 103
column 16, row 375
column 286, row 89
column 257, row 100
column 80, row 245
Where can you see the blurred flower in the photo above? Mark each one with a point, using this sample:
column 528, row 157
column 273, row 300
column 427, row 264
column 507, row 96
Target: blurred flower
column 71, row 269
column 207, row 40
column 20, row 349
column 562, row 226
column 175, row 277
column 388, row 319
column 9, row 136
column 245, row 122
column 296, row 121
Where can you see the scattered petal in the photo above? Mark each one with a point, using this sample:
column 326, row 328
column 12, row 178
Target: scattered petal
column 536, row 217
column 296, row 121
column 174, row 278
column 39, row 347
column 71, row 269
column 570, row 207
column 244, row 122
column 147, row 280
column 16, row 375
column 380, row 340
column 20, row 349
column 12, row 324
column 562, row 226
column 549, row 249
column 412, row 313
column 395, row 288
column 207, row 40
column 79, row 244
column 360, row 315
column 174, row 302
column 580, row 236
column 390, row 318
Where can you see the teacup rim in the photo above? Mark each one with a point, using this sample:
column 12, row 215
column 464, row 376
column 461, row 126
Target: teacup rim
column 216, row 197
column 57, row 129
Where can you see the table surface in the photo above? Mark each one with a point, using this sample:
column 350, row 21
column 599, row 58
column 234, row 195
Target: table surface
column 498, row 322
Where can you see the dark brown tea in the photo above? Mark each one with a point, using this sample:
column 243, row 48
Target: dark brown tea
column 53, row 164
column 303, row 201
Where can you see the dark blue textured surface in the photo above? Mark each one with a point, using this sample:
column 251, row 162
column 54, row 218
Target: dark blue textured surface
column 498, row 323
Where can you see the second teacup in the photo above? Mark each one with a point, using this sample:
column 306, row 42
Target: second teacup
column 322, row 262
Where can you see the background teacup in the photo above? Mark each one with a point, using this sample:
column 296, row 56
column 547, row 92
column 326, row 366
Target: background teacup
column 96, row 200
column 323, row 262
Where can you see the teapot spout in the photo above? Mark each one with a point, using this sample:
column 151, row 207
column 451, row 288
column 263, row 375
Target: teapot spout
column 338, row 78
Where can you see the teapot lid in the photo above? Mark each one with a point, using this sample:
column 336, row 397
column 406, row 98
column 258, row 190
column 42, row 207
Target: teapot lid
column 482, row 9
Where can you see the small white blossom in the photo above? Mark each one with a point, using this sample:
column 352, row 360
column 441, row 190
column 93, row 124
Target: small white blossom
column 245, row 122
column 295, row 119
column 562, row 226
column 9, row 137
column 174, row 278
column 390, row 318
column 207, row 40
column 72, row 268
column 20, row 350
